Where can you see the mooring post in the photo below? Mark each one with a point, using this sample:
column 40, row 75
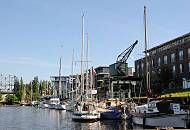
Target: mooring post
column 188, row 119
column 144, row 119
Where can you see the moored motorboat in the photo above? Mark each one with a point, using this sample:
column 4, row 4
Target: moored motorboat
column 53, row 103
column 85, row 112
column 116, row 113
column 44, row 101
column 43, row 105
column 112, row 114
column 160, row 113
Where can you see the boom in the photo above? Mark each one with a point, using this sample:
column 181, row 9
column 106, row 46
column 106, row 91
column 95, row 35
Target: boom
column 122, row 58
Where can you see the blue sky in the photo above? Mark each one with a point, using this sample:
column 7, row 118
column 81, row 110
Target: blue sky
column 32, row 32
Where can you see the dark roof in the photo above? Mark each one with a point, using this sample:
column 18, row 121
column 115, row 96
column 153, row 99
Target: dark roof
column 99, row 67
column 168, row 42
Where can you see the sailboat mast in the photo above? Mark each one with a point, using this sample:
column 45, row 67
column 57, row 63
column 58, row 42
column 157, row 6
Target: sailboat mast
column 146, row 54
column 59, row 77
column 82, row 57
column 72, row 70
column 91, row 81
column 87, row 82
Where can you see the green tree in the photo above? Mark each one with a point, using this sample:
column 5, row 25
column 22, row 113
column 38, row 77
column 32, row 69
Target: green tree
column 40, row 88
column 28, row 92
column 19, row 89
column 10, row 98
column 31, row 91
column 36, row 85
column 36, row 96
column 43, row 87
column 16, row 85
column 50, row 89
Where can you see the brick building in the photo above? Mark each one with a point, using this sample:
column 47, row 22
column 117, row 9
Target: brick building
column 168, row 65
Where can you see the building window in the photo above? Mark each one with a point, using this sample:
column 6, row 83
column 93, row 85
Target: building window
column 173, row 69
column 173, row 57
column 159, row 61
column 180, row 68
column 152, row 63
column 142, row 66
column 189, row 53
column 181, row 55
column 165, row 59
column 137, row 66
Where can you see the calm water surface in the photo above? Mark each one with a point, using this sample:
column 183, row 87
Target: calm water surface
column 31, row 118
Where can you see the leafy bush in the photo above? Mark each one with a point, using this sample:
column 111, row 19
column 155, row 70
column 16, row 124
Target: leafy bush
column 0, row 96
column 10, row 98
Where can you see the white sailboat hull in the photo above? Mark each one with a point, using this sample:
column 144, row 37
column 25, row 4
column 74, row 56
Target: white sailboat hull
column 42, row 105
column 53, row 103
column 52, row 106
column 161, row 120
column 85, row 117
column 60, row 107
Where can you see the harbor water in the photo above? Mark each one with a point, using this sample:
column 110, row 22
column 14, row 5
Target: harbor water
column 32, row 118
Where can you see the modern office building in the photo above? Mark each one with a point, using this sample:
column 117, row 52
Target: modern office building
column 102, row 81
column 60, row 86
column 168, row 65
column 105, row 81
column 7, row 83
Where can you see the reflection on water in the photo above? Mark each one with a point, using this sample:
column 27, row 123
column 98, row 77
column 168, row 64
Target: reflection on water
column 31, row 118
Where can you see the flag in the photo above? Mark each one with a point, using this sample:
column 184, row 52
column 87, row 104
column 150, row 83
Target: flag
column 93, row 71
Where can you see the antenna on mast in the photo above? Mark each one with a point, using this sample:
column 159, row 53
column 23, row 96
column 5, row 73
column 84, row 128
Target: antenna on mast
column 59, row 87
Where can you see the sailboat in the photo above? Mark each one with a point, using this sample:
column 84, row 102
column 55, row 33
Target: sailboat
column 54, row 102
column 158, row 113
column 71, row 102
column 44, row 101
column 84, row 110
column 60, row 104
